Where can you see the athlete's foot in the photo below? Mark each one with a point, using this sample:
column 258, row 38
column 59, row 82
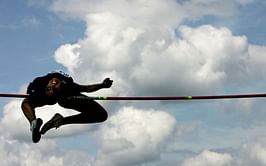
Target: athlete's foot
column 55, row 122
column 35, row 129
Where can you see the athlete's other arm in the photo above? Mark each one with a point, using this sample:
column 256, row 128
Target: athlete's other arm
column 28, row 110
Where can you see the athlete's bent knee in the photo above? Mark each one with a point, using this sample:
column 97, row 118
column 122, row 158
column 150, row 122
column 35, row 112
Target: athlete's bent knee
column 103, row 117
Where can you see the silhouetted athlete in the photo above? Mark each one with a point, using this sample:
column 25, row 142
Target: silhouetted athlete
column 60, row 88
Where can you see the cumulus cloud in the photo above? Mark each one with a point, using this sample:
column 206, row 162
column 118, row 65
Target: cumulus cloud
column 46, row 153
column 257, row 62
column 139, row 12
column 209, row 158
column 258, row 152
column 149, row 60
column 142, row 12
column 11, row 119
column 206, row 57
column 249, row 153
column 134, row 136
column 67, row 56
column 254, row 153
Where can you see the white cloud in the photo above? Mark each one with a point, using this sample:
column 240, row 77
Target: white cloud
column 143, row 12
column 251, row 153
column 43, row 154
column 68, row 56
column 134, row 136
column 257, row 62
column 209, row 158
column 200, row 8
column 258, row 152
column 12, row 118
column 206, row 57
column 122, row 42
column 139, row 12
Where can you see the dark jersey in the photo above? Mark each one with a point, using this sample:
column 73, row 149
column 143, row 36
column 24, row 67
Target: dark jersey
column 37, row 88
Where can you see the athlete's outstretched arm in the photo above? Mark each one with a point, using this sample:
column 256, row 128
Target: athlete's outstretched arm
column 107, row 83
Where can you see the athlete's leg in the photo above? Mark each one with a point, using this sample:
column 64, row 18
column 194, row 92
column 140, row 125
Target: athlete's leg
column 90, row 110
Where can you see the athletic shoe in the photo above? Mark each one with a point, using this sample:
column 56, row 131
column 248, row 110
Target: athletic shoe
column 35, row 129
column 54, row 122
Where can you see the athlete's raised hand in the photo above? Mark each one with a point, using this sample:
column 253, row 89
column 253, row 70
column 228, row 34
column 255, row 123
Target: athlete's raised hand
column 107, row 83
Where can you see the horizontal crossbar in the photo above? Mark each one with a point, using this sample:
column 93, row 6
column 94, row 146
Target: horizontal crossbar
column 206, row 97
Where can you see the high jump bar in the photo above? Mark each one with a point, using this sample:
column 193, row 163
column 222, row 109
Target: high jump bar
column 204, row 97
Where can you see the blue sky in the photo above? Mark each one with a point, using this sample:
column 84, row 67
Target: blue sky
column 248, row 21
column 149, row 48
column 30, row 35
